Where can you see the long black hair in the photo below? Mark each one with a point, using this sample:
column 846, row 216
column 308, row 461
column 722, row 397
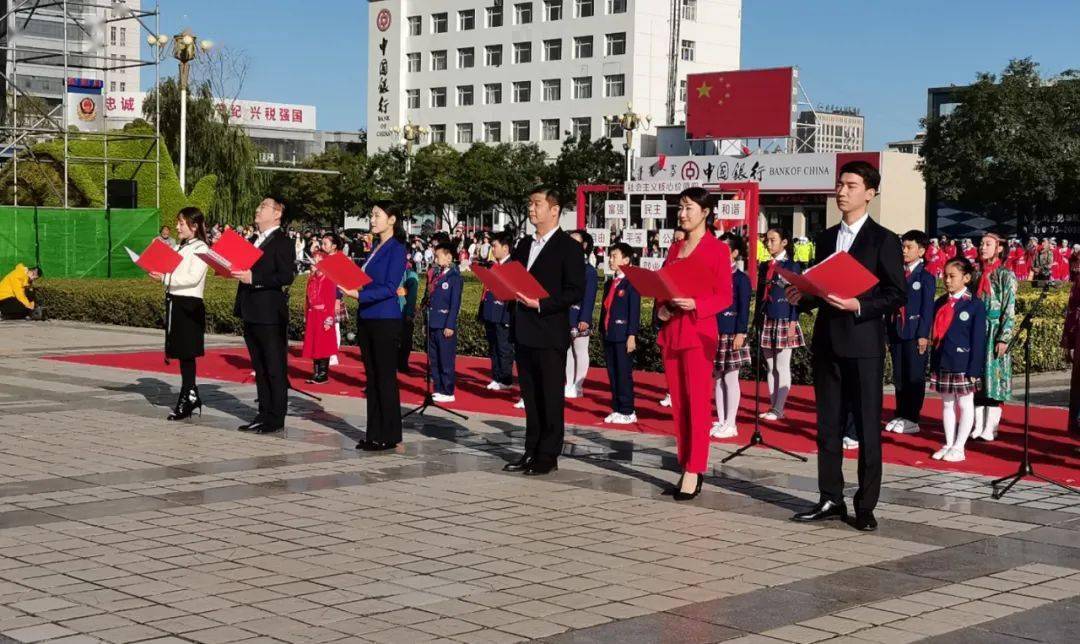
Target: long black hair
column 394, row 210
column 703, row 199
column 195, row 220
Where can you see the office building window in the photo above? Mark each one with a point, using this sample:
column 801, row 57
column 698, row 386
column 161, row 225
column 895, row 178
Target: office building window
column 123, row 36
column 614, row 85
column 464, row 133
column 552, row 89
column 465, row 95
column 438, row 97
column 112, row 35
column 583, row 87
column 614, row 130
column 553, row 49
column 415, row 25
column 438, row 60
column 687, row 50
column 584, row 8
column 494, row 16
column 521, row 130
column 466, row 20
column 689, row 10
column 581, row 128
column 412, row 99
column 552, row 10
column 682, row 90
column 438, row 133
column 583, row 47
column 466, row 57
column 522, row 53
column 413, row 60
column 523, row 13
column 493, row 55
column 549, row 129
column 112, row 86
column 493, row 93
column 616, row 6
column 522, row 91
column 439, row 23
column 493, row 132
column 615, row 44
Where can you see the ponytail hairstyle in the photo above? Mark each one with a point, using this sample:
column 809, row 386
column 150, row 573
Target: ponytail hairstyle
column 963, row 264
column 394, row 210
column 195, row 220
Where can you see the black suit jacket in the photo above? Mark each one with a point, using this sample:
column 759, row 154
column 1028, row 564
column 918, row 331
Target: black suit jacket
column 561, row 272
column 266, row 299
column 842, row 333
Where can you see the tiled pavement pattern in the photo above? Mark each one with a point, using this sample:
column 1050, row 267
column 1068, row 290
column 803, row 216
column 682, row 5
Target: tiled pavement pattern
column 117, row 526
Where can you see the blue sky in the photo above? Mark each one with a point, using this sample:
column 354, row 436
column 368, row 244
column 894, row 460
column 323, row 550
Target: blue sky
column 878, row 55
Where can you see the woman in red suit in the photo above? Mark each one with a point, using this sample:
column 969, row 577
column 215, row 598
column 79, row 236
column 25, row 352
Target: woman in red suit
column 320, row 316
column 689, row 337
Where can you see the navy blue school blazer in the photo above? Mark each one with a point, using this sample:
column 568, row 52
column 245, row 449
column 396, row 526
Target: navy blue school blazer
column 778, row 307
column 624, row 319
column 493, row 311
column 445, row 300
column 736, row 318
column 583, row 312
column 963, row 349
column 918, row 313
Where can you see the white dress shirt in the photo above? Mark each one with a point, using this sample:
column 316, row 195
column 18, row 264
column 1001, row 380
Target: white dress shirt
column 263, row 236
column 847, row 233
column 189, row 278
column 538, row 245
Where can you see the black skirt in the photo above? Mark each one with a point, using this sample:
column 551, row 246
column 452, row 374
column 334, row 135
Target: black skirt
column 185, row 326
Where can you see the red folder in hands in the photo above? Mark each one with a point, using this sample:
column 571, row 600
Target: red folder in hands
column 492, row 282
column 840, row 274
column 514, row 276
column 654, row 284
column 158, row 257
column 682, row 279
column 231, row 253
column 343, row 271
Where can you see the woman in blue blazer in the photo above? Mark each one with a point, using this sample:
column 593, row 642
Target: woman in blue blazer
column 378, row 328
column 581, row 320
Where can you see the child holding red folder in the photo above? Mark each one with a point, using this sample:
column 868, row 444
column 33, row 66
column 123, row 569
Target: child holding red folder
column 620, row 321
column 780, row 330
column 732, row 353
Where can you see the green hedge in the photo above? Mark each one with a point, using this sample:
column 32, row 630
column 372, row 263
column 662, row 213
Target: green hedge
column 139, row 303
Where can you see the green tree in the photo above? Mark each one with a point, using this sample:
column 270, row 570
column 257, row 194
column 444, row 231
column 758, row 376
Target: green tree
column 585, row 162
column 434, row 182
column 1011, row 147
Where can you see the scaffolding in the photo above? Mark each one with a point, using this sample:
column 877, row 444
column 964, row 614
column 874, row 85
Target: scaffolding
column 37, row 121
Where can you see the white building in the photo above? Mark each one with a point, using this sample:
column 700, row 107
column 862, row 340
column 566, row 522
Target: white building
column 534, row 71
column 838, row 130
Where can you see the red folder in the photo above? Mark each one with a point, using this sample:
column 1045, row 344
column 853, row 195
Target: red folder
column 343, row 271
column 654, row 284
column 684, row 278
column 231, row 253
column 840, row 274
column 514, row 276
column 494, row 283
column 158, row 257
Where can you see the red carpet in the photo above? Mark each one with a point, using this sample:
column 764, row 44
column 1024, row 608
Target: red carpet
column 1052, row 448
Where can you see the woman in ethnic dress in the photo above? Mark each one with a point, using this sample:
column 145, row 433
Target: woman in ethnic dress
column 996, row 287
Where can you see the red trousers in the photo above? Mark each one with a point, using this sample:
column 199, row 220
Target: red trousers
column 690, row 381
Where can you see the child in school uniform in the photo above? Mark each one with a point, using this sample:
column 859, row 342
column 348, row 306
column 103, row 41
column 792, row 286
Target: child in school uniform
column 780, row 332
column 496, row 318
column 909, row 335
column 444, row 302
column 620, row 319
column 581, row 319
column 959, row 357
column 732, row 353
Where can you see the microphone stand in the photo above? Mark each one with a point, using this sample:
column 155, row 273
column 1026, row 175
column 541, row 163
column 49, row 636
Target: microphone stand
column 1002, row 485
column 429, row 401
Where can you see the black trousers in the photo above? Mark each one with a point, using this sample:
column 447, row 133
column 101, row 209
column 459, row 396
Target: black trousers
column 268, row 348
column 501, row 352
column 378, row 342
column 909, row 378
column 542, row 376
column 13, row 309
column 406, row 344
column 859, row 381
column 620, row 368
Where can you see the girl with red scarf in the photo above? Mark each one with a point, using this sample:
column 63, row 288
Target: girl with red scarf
column 958, row 360
column 320, row 318
column 997, row 290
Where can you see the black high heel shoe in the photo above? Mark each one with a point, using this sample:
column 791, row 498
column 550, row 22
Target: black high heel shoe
column 684, row 496
column 672, row 490
column 186, row 404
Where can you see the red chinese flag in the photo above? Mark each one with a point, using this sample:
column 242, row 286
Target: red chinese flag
column 753, row 103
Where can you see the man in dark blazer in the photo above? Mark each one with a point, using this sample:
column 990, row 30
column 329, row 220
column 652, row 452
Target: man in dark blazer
column 540, row 329
column 262, row 303
column 849, row 347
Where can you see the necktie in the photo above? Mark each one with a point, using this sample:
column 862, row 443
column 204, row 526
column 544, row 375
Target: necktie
column 902, row 314
column 607, row 300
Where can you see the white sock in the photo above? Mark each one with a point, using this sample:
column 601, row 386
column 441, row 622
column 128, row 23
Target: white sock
column 581, row 359
column 948, row 418
column 967, row 418
column 993, row 419
column 980, row 420
column 783, row 380
column 718, row 396
column 732, row 395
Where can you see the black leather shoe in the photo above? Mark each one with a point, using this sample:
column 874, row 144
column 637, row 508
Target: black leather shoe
column 822, row 511
column 375, row 446
column 539, row 469
column 249, row 427
column 520, row 465
column 679, row 495
column 865, row 522
column 265, row 428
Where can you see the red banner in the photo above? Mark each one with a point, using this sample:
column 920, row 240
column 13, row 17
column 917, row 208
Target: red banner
column 747, row 104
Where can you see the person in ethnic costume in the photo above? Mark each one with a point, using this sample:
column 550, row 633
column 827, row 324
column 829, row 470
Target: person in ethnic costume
column 996, row 287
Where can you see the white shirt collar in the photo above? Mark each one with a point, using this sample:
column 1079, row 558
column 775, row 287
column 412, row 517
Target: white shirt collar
column 781, row 257
column 854, row 229
column 913, row 265
column 543, row 240
column 266, row 233
column 618, row 275
column 959, row 294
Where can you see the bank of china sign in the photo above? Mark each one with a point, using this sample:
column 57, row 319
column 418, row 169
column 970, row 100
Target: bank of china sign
column 774, row 172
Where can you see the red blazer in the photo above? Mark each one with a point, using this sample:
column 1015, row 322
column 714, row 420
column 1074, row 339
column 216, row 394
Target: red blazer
column 697, row 328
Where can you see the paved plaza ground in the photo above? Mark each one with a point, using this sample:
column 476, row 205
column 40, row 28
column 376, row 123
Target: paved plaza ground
column 118, row 526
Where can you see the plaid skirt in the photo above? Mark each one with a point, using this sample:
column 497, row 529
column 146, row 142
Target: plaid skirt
column 777, row 334
column 948, row 382
column 727, row 358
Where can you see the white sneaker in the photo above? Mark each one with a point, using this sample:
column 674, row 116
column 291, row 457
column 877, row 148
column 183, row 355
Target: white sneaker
column 772, row 414
column 723, row 431
column 940, row 454
column 893, row 425
column 954, row 455
column 493, row 386
column 609, row 417
column 570, row 391
column 850, row 443
column 988, row 435
column 443, row 398
column 907, row 427
column 665, row 401
column 520, row 404
column 623, row 419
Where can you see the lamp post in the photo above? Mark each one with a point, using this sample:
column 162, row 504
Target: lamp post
column 412, row 134
column 185, row 51
column 630, row 121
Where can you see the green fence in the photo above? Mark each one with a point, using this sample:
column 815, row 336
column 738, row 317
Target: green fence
column 75, row 242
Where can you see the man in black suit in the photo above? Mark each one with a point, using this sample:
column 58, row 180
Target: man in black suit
column 262, row 303
column 849, row 348
column 541, row 330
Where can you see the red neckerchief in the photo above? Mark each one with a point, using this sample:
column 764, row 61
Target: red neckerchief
column 902, row 314
column 610, row 297
column 984, row 280
column 438, row 277
column 944, row 317
column 770, row 273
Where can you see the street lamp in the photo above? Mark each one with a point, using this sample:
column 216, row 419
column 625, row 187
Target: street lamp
column 186, row 47
column 412, row 134
column 630, row 121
